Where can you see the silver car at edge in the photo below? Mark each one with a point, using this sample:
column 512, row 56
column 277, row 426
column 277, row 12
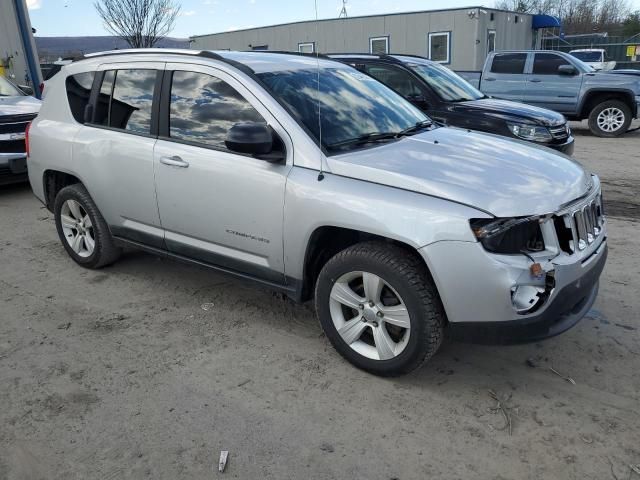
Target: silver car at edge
column 337, row 190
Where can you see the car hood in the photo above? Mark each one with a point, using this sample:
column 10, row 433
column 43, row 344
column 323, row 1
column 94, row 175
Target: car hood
column 504, row 177
column 511, row 111
column 19, row 105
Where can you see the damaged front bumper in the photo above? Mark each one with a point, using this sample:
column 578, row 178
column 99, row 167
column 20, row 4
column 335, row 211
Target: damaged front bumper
column 500, row 299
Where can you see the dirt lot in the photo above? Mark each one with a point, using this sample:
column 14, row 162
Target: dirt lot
column 149, row 368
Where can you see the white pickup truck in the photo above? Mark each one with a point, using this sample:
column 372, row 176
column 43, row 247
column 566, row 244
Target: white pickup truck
column 595, row 58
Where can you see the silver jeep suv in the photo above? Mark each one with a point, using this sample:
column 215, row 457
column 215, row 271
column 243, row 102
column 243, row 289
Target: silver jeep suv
column 311, row 178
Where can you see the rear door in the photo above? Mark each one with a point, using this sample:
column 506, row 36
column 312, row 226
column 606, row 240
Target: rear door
column 216, row 205
column 114, row 150
column 505, row 78
column 548, row 88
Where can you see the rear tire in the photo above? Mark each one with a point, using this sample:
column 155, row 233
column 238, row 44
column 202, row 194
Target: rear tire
column 610, row 118
column 378, row 306
column 82, row 229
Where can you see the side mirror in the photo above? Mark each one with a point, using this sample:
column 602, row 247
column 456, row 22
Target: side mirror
column 26, row 89
column 253, row 138
column 567, row 70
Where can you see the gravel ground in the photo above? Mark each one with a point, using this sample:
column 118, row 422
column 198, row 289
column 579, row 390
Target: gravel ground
column 148, row 368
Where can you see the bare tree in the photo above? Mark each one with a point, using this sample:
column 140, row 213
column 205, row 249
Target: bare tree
column 578, row 16
column 141, row 23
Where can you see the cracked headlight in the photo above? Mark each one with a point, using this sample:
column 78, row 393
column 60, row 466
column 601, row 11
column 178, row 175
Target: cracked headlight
column 509, row 235
column 532, row 133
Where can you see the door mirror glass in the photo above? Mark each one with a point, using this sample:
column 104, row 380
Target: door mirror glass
column 26, row 89
column 567, row 70
column 254, row 138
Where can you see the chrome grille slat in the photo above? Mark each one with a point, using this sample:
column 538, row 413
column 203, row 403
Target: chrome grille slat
column 585, row 223
column 559, row 132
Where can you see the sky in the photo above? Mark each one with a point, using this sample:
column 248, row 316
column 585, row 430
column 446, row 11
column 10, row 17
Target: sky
column 198, row 17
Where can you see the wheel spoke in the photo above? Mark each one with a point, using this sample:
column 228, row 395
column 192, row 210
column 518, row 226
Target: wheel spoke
column 77, row 243
column 67, row 221
column 75, row 209
column 396, row 315
column 86, row 220
column 352, row 330
column 89, row 242
column 372, row 286
column 342, row 292
column 384, row 345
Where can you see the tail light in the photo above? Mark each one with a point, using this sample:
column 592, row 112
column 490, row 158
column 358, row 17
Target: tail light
column 26, row 139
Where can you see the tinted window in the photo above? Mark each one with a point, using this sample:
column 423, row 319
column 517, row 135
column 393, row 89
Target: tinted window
column 448, row 85
column 509, row 63
column 132, row 100
column 204, row 108
column 8, row 90
column 547, row 64
column 399, row 80
column 78, row 93
column 101, row 116
column 351, row 103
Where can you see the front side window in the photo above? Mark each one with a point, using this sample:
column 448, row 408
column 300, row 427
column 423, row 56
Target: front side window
column 78, row 93
column 547, row 63
column 306, row 47
column 203, row 108
column 396, row 79
column 379, row 45
column 346, row 105
column 132, row 100
column 448, row 85
column 511, row 63
column 439, row 44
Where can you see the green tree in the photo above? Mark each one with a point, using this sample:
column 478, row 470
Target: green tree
column 631, row 24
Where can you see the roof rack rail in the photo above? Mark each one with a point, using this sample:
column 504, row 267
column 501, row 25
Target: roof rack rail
column 285, row 52
column 172, row 51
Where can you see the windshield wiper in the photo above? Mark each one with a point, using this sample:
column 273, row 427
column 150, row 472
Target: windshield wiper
column 414, row 128
column 366, row 138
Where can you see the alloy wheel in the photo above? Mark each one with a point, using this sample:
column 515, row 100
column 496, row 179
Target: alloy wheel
column 77, row 228
column 369, row 315
column 611, row 119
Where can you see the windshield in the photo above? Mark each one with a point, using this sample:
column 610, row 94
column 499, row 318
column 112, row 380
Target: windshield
column 352, row 104
column 588, row 56
column 448, row 86
column 8, row 90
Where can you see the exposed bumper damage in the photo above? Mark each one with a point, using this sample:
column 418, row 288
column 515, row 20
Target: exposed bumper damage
column 513, row 298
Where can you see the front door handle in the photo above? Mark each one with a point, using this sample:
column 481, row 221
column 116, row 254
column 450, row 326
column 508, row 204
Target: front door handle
column 174, row 161
column 535, row 80
column 490, row 79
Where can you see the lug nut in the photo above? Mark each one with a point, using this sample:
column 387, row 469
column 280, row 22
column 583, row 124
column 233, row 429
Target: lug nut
column 374, row 323
column 371, row 304
column 380, row 314
column 361, row 307
column 363, row 319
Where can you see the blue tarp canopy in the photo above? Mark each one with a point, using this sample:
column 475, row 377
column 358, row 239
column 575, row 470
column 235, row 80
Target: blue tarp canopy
column 546, row 21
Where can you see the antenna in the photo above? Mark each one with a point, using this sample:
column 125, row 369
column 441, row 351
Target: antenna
column 343, row 12
column 321, row 173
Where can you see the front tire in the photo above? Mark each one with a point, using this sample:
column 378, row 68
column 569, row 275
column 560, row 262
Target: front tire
column 379, row 308
column 610, row 118
column 82, row 229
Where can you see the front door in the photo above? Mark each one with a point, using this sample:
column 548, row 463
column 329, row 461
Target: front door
column 218, row 206
column 506, row 78
column 548, row 88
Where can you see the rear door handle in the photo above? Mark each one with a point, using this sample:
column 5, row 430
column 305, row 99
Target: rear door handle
column 174, row 161
column 535, row 80
column 490, row 79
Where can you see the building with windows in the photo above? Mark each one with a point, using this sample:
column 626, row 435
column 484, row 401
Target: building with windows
column 459, row 38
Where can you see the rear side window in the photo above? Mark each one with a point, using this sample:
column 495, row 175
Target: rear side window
column 132, row 100
column 509, row 63
column 396, row 79
column 126, row 99
column 204, row 108
column 547, row 63
column 78, row 93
